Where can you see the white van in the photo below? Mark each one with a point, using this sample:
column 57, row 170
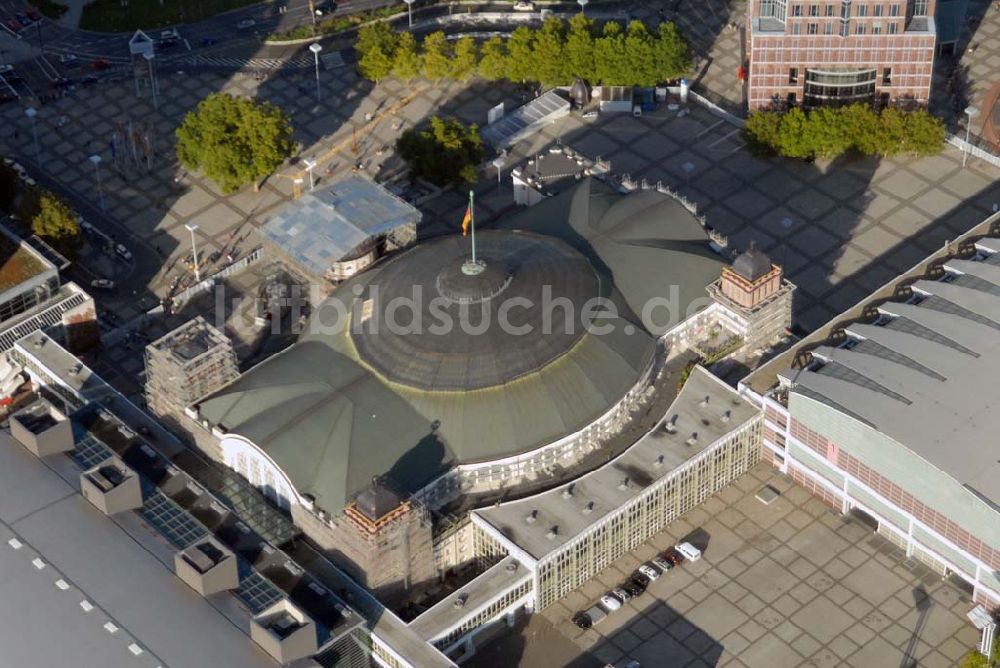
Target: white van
column 690, row 552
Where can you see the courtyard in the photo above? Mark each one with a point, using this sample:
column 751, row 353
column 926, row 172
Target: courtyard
column 792, row 583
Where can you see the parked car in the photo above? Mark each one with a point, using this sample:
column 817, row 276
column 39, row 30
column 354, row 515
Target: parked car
column 168, row 38
column 622, row 594
column 650, row 571
column 639, row 580
column 633, row 588
column 663, row 564
column 583, row 620
column 522, row 6
column 591, row 114
column 125, row 253
column 673, row 556
column 103, row 284
column 246, row 24
column 610, row 603
column 689, row 551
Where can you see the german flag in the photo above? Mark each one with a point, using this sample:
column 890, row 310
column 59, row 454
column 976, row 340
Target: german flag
column 467, row 220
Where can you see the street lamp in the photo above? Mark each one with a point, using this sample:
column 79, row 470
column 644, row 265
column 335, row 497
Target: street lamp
column 409, row 7
column 310, row 164
column 316, row 48
column 31, row 112
column 971, row 112
column 582, row 3
column 191, row 227
column 499, row 163
column 152, row 79
column 786, row 223
column 96, row 161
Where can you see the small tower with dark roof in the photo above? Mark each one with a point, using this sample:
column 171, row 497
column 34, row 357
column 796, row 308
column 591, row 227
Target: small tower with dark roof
column 386, row 541
column 756, row 299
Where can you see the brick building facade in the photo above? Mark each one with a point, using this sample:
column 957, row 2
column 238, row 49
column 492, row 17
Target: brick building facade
column 831, row 52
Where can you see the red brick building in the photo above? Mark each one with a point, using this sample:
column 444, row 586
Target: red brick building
column 831, row 52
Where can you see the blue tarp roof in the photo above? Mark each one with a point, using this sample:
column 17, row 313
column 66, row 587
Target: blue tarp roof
column 326, row 225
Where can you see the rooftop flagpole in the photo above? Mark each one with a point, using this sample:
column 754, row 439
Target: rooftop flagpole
column 473, row 266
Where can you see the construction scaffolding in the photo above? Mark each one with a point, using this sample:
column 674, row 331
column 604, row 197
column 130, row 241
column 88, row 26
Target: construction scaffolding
column 186, row 365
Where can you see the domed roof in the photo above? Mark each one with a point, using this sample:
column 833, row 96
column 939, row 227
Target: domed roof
column 492, row 339
column 579, row 92
column 752, row 263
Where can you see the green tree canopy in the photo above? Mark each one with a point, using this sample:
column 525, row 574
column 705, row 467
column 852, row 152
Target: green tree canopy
column 406, row 62
column 861, row 124
column 763, row 133
column 891, row 131
column 793, row 137
column 548, row 53
column 234, row 141
column 521, row 64
column 446, row 153
column 437, row 56
column 640, row 51
column 924, row 133
column 579, row 51
column 493, row 64
column 611, row 63
column 55, row 221
column 671, row 53
column 828, row 135
column 376, row 47
column 466, row 58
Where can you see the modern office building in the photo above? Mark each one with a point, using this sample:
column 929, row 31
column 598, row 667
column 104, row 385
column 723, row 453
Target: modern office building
column 185, row 365
column 887, row 411
column 833, row 52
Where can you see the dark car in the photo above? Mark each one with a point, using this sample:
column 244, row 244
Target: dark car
column 673, row 556
column 582, row 619
column 640, row 579
column 633, row 588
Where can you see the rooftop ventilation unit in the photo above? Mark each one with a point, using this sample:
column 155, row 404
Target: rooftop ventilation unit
column 704, row 402
column 623, row 485
column 531, row 517
column 567, row 492
column 727, row 416
column 553, row 532
column 692, row 440
column 589, row 508
column 659, row 461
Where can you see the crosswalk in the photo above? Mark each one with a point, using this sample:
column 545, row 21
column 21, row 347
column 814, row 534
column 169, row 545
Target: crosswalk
column 238, row 63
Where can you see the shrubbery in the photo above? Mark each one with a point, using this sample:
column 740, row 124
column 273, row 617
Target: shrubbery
column 830, row 132
column 334, row 25
column 554, row 54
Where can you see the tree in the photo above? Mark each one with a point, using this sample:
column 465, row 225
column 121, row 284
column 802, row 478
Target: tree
column 862, row 125
column 55, row 221
column 827, row 132
column 579, row 52
column 521, row 64
column 763, row 131
column 466, row 59
column 406, row 62
column 891, row 131
column 376, row 47
column 437, row 56
column 671, row 54
column 548, row 53
column 446, row 153
column 493, row 64
column 641, row 55
column 234, row 140
column 924, row 133
column 610, row 62
column 793, row 137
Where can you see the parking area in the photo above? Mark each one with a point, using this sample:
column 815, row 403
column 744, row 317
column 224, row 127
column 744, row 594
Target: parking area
column 791, row 583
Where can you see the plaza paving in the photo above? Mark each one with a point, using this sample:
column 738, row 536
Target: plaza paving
column 789, row 584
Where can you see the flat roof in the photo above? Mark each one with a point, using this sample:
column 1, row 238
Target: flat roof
column 190, row 340
column 133, row 596
column 916, row 361
column 18, row 261
column 705, row 411
column 446, row 614
column 325, row 226
column 547, row 107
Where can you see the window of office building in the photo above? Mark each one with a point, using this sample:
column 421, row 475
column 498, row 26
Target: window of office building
column 828, row 29
column 862, row 10
column 796, row 10
column 773, row 9
column 813, row 29
column 835, row 87
column 845, row 27
column 919, row 7
column 793, row 75
column 892, row 28
column 878, row 10
column 859, row 29
column 829, row 10
column 893, row 10
column 796, row 28
column 813, row 10
column 876, row 28
column 887, row 76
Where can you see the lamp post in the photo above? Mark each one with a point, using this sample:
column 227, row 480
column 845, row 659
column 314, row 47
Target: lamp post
column 31, row 112
column 499, row 163
column 96, row 161
column 152, row 78
column 409, row 8
column 316, row 48
column 191, row 227
column 971, row 112
column 582, row 3
column 786, row 223
column 310, row 164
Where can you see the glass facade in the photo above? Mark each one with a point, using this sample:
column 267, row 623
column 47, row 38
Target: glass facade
column 834, row 87
column 773, row 9
column 646, row 515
